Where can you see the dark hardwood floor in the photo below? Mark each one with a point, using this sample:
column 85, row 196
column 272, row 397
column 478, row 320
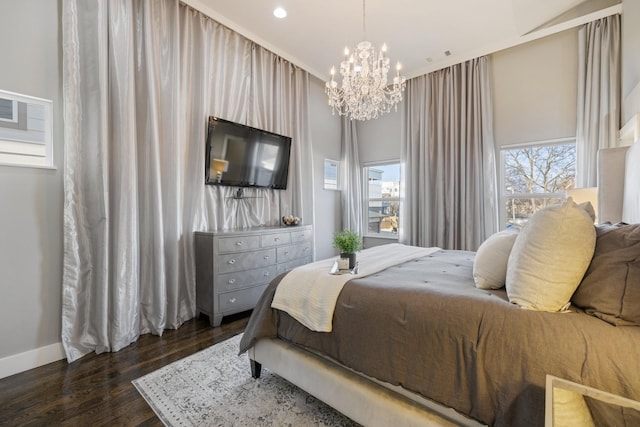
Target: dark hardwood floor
column 96, row 390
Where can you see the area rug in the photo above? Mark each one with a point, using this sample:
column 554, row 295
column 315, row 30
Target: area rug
column 214, row 387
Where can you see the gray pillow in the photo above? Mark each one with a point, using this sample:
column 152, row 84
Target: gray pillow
column 610, row 288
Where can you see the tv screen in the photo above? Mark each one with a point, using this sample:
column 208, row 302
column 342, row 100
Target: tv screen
column 242, row 156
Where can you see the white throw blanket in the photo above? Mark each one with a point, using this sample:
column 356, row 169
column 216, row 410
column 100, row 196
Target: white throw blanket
column 309, row 293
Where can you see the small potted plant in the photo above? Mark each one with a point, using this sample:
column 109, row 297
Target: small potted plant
column 348, row 243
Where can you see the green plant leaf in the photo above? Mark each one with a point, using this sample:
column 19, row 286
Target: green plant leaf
column 347, row 241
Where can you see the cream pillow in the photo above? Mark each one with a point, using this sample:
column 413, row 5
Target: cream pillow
column 570, row 409
column 550, row 256
column 490, row 264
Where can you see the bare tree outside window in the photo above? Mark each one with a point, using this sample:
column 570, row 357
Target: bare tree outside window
column 535, row 176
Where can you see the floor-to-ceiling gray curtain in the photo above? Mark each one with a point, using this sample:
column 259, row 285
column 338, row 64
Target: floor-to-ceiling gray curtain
column 279, row 100
column 599, row 82
column 351, row 178
column 140, row 79
column 449, row 195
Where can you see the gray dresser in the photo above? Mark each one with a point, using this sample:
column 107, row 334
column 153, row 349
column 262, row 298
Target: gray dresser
column 234, row 267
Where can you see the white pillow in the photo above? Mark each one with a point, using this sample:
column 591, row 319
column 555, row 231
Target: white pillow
column 570, row 409
column 550, row 256
column 588, row 208
column 490, row 264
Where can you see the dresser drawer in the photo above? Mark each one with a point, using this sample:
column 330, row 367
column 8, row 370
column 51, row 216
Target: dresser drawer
column 300, row 235
column 238, row 243
column 288, row 253
column 242, row 299
column 243, row 279
column 269, row 240
column 245, row 261
column 286, row 266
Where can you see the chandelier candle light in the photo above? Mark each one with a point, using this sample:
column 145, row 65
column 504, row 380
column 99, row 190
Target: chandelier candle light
column 365, row 93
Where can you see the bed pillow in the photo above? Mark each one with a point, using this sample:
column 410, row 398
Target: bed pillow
column 610, row 289
column 490, row 263
column 550, row 256
column 588, row 208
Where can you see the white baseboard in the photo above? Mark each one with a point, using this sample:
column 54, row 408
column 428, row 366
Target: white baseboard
column 21, row 362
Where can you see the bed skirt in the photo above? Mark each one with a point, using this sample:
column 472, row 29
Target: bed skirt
column 363, row 399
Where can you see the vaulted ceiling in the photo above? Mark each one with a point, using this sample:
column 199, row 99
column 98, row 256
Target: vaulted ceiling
column 424, row 35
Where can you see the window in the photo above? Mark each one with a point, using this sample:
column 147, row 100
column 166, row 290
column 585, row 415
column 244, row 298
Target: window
column 331, row 175
column 382, row 199
column 8, row 111
column 25, row 130
column 535, row 175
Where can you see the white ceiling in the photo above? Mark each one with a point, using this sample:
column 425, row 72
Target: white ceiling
column 314, row 33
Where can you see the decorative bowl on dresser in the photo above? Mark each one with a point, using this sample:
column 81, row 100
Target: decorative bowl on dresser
column 234, row 267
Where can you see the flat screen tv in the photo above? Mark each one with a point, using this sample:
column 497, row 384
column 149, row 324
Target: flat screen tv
column 243, row 156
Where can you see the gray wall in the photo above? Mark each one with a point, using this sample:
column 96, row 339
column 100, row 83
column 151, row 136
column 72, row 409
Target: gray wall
column 31, row 199
column 379, row 139
column 325, row 133
column 535, row 90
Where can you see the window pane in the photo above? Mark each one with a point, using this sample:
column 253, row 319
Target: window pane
column 383, row 206
column 519, row 210
column 541, row 169
column 383, row 217
column 6, row 109
column 544, row 171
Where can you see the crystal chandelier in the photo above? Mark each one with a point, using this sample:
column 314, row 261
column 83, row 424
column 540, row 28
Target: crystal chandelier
column 365, row 92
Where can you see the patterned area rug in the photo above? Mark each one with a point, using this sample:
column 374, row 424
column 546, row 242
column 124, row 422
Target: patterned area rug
column 214, row 388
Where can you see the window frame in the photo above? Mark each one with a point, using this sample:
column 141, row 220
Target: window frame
column 365, row 196
column 504, row 196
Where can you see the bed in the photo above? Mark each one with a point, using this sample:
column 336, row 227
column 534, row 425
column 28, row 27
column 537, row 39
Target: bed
column 418, row 343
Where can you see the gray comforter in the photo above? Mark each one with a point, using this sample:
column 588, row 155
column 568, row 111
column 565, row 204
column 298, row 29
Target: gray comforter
column 424, row 326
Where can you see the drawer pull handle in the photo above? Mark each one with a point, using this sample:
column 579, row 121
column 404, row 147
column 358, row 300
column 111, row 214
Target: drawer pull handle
column 266, row 274
column 286, row 252
column 266, row 257
column 305, row 249
column 239, row 243
column 232, row 261
column 232, row 300
column 232, row 281
column 275, row 239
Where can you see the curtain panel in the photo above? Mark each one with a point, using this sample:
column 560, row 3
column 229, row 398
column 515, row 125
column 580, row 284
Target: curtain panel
column 449, row 192
column 599, row 94
column 140, row 80
column 351, row 175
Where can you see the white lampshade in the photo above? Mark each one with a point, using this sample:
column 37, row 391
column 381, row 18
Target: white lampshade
column 219, row 165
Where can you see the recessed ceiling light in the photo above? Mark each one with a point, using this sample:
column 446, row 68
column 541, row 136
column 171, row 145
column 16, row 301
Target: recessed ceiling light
column 279, row 12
